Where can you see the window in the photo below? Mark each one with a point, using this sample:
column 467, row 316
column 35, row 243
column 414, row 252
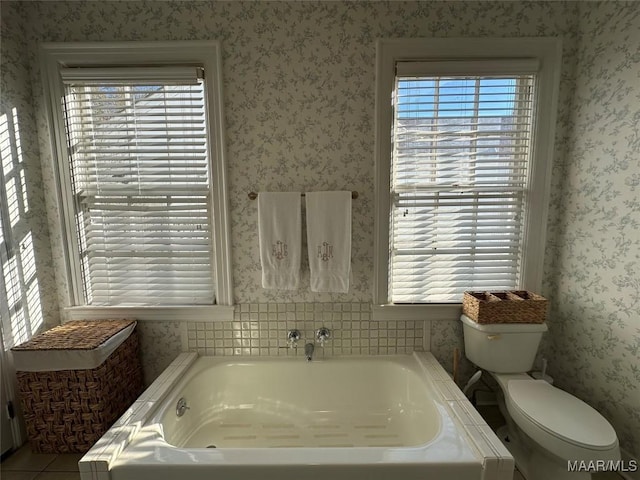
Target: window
column 138, row 161
column 461, row 145
column 139, row 168
column 464, row 173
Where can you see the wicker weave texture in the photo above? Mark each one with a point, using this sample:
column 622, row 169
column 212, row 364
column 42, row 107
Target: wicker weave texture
column 67, row 411
column 514, row 306
column 76, row 335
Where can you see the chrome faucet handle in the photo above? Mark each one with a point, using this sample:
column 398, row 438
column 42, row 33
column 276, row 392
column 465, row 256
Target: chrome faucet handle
column 322, row 335
column 292, row 338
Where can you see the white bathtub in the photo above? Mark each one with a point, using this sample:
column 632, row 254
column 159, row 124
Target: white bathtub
column 377, row 417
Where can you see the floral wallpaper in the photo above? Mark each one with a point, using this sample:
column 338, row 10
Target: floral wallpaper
column 593, row 251
column 28, row 293
column 299, row 90
column 160, row 343
column 299, row 94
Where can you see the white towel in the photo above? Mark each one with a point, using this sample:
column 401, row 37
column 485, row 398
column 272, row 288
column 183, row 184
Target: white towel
column 329, row 240
column 279, row 230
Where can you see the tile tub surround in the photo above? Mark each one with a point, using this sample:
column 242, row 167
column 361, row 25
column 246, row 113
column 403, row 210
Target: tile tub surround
column 24, row 465
column 95, row 463
column 261, row 329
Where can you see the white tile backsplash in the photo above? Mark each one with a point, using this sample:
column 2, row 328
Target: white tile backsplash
column 261, row 329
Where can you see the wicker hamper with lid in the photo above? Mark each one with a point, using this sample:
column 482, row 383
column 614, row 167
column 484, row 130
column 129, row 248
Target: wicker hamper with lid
column 67, row 411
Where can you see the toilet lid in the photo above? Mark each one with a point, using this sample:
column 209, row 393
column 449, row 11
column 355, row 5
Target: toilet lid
column 561, row 414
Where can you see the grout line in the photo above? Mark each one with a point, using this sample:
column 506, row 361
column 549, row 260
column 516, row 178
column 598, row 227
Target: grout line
column 48, row 469
column 25, row 450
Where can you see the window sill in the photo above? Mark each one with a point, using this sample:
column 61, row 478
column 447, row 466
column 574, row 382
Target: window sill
column 440, row 311
column 204, row 313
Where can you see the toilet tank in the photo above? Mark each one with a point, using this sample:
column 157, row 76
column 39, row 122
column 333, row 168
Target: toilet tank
column 502, row 347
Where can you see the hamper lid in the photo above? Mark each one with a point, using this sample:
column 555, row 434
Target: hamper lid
column 77, row 345
column 76, row 335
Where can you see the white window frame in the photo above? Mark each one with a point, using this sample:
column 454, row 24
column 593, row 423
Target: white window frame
column 207, row 54
column 547, row 51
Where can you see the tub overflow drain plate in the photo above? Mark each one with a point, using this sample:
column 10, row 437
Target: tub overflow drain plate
column 181, row 407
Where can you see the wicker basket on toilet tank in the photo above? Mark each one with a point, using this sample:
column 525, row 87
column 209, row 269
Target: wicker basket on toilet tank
column 513, row 306
column 68, row 409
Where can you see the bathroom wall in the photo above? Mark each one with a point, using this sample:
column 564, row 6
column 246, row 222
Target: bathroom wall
column 594, row 242
column 299, row 80
column 299, row 83
column 27, row 267
column 299, row 91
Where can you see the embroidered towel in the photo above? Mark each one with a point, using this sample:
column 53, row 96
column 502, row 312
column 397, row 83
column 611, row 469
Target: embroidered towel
column 280, row 237
column 329, row 240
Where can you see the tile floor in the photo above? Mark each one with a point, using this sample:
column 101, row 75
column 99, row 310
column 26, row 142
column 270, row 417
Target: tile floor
column 24, row 465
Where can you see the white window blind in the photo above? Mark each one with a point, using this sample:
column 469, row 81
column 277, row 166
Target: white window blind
column 459, row 173
column 138, row 158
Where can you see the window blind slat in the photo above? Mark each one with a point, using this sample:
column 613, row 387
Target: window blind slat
column 459, row 173
column 140, row 172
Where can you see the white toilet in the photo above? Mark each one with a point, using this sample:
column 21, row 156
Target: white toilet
column 546, row 427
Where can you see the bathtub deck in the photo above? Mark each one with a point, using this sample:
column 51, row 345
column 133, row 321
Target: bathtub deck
column 397, row 416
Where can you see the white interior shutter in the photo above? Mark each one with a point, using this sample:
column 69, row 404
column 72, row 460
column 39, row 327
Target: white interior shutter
column 460, row 167
column 140, row 173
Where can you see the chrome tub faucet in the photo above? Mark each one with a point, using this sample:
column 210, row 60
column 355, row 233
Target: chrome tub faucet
column 322, row 335
column 308, row 351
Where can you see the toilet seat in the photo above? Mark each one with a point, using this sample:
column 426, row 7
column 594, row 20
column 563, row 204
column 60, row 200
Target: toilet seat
column 561, row 414
column 557, row 421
